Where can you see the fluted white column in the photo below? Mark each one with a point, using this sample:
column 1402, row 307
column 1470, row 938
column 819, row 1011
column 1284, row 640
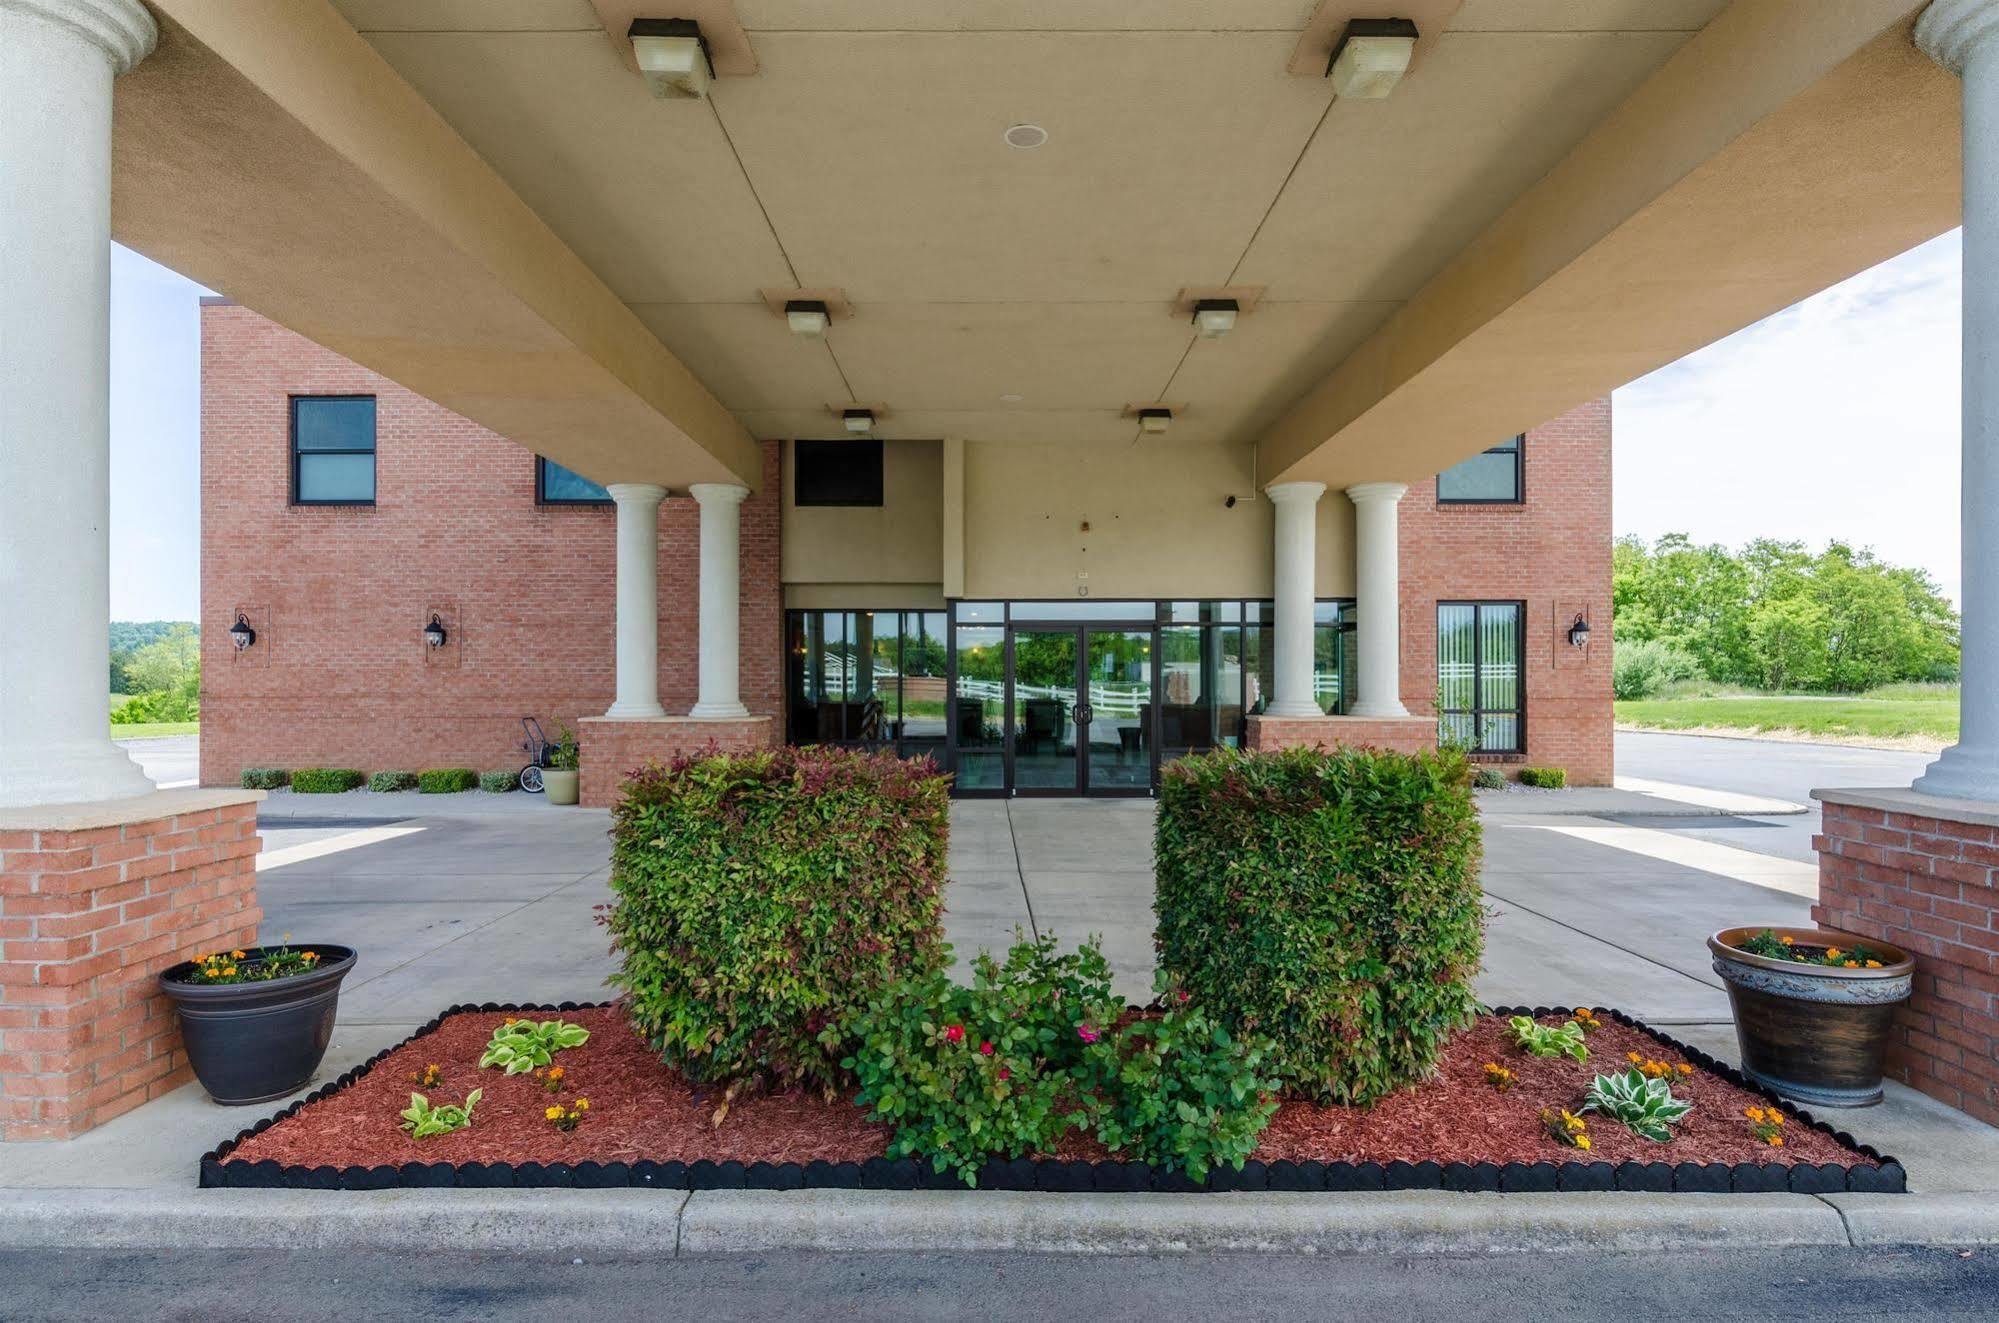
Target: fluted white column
column 1297, row 506
column 1378, row 600
column 57, row 62
column 721, row 599
column 638, row 600
column 1963, row 36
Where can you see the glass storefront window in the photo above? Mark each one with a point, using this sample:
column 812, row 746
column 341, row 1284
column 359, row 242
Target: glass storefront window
column 978, row 707
column 1478, row 675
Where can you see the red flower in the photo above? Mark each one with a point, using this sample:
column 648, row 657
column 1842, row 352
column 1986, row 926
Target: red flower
column 955, row 1033
column 985, row 1049
column 1005, row 1074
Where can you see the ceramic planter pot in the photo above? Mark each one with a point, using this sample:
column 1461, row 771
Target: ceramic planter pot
column 1813, row 1033
column 560, row 785
column 256, row 1042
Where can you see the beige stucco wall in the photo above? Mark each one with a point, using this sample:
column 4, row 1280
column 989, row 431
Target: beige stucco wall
column 899, row 543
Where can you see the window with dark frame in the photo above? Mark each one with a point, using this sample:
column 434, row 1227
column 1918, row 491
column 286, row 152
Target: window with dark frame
column 833, row 473
column 556, row 485
column 1492, row 477
column 1481, row 679
column 333, row 449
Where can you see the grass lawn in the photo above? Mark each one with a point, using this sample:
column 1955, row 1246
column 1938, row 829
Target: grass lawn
column 1899, row 714
column 152, row 730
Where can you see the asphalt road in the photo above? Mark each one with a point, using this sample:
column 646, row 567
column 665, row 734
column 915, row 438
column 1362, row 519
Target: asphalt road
column 221, row 1287
column 169, row 760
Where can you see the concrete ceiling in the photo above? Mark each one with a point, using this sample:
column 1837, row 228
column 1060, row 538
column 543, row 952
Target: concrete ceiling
column 866, row 155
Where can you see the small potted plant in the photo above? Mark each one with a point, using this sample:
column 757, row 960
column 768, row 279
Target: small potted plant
column 559, row 777
column 1813, row 1009
column 257, row 1022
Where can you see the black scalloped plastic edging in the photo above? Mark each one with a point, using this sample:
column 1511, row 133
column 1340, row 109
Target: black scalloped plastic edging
column 219, row 1171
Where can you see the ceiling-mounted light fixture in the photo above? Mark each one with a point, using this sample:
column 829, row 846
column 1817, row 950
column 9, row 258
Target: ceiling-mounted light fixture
column 672, row 56
column 1154, row 420
column 240, row 633
column 858, row 421
column 1215, row 318
column 1579, row 632
column 1371, row 57
column 807, row 317
column 434, row 633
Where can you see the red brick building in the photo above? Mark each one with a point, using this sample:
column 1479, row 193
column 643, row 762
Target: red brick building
column 868, row 613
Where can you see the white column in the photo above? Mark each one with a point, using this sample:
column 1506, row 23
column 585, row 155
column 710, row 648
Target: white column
column 1297, row 506
column 638, row 600
column 57, row 62
column 721, row 599
column 1377, row 555
column 1963, row 36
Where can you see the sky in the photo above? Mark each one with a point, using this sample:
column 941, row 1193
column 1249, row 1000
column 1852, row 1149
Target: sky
column 1836, row 419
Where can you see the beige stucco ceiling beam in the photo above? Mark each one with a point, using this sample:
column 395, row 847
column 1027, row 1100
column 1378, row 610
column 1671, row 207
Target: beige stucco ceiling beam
column 267, row 151
column 1785, row 147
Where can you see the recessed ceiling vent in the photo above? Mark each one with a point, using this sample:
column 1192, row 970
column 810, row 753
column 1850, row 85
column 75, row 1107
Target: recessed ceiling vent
column 1025, row 136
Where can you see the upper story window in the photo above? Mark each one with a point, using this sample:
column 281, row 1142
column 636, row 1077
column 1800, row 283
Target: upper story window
column 555, row 485
column 836, row 472
column 1490, row 478
column 333, row 449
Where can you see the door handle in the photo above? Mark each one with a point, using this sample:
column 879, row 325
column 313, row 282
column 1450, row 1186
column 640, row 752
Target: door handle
column 1083, row 714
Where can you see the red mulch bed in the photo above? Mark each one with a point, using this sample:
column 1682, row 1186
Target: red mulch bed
column 639, row 1109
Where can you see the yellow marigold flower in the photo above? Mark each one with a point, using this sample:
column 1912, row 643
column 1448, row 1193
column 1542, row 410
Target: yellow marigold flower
column 1753, row 1113
column 236, row 955
column 553, row 1113
column 1786, row 941
column 555, row 1072
column 582, row 1104
column 1874, row 964
column 229, row 972
column 1633, row 1058
column 1684, row 1068
column 1582, row 1142
column 1833, row 953
column 1776, row 1141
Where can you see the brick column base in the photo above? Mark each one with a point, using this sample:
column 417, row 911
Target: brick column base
column 1403, row 734
column 1919, row 871
column 609, row 750
column 95, row 900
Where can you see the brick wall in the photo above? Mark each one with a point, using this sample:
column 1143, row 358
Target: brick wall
column 1401, row 733
column 339, row 595
column 88, row 919
column 1930, row 886
column 611, row 749
column 1553, row 553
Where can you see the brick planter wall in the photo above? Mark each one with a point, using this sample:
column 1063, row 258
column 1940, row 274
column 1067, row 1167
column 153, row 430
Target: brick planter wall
column 1407, row 734
column 1923, row 873
column 92, row 908
column 610, row 749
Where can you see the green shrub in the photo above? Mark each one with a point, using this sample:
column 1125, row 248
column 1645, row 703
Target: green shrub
column 763, row 898
column 183, row 704
column 1646, row 1106
column 499, row 783
column 265, row 778
column 389, row 782
column 1547, row 778
column 1642, row 667
column 565, row 752
column 1329, row 900
column 445, row 780
column 326, row 780
column 1486, row 778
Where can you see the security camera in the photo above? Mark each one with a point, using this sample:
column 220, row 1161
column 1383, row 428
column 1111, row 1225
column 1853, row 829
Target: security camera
column 1228, row 503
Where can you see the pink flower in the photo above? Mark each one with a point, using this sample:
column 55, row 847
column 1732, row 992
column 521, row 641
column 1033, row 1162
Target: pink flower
column 1087, row 1034
column 1005, row 1074
column 985, row 1049
column 955, row 1033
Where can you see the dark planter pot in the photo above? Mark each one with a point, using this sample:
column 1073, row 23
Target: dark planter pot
column 256, row 1042
column 1814, row 1034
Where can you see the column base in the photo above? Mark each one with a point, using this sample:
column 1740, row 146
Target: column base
column 1962, row 772
column 719, row 712
column 1403, row 734
column 631, row 712
column 86, row 772
column 612, row 748
column 1379, row 711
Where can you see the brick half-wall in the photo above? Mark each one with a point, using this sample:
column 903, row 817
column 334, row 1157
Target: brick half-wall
column 90, row 912
column 612, row 749
column 1407, row 734
column 1908, row 869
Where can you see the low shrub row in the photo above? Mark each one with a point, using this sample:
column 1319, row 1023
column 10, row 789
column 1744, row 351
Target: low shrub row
column 335, row 780
column 326, row 780
column 1546, row 778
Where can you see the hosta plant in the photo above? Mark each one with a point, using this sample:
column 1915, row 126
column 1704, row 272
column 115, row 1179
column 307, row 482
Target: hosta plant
column 1541, row 1040
column 423, row 1120
column 1646, row 1106
column 521, row 1047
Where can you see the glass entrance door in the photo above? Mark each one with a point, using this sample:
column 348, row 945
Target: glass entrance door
column 1117, row 695
column 1080, row 714
column 1045, row 715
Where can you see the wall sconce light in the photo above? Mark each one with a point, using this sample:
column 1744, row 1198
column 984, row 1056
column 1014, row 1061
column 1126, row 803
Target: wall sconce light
column 241, row 634
column 434, row 633
column 807, row 317
column 1154, row 420
column 672, row 56
column 1579, row 632
column 1371, row 57
column 858, row 421
column 1215, row 318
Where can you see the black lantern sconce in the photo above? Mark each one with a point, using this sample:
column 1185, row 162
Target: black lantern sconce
column 434, row 633
column 241, row 634
column 1579, row 632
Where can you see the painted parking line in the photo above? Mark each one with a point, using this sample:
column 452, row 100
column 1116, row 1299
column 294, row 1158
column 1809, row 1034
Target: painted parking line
column 1722, row 801
column 350, row 840
column 1761, row 870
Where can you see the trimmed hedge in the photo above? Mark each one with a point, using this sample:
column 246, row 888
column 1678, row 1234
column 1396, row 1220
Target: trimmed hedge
column 499, row 783
column 389, row 782
column 1547, row 778
column 764, row 899
column 1329, row 900
column 326, row 780
column 446, row 780
column 265, row 778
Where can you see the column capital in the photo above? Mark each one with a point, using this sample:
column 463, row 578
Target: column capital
column 625, row 493
column 122, row 29
column 1364, row 492
column 719, row 493
column 1950, row 30
column 1286, row 493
